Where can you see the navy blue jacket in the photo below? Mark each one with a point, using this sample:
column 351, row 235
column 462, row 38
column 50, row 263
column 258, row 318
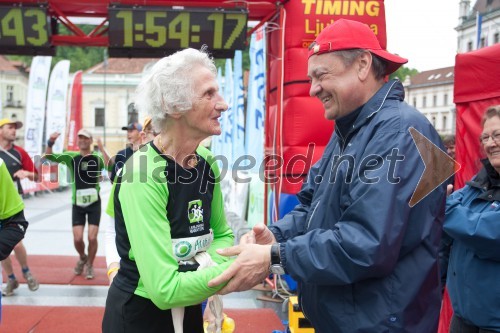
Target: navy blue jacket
column 364, row 260
column 120, row 159
column 473, row 221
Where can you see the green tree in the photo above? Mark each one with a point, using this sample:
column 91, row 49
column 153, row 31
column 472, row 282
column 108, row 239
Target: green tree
column 81, row 58
column 403, row 72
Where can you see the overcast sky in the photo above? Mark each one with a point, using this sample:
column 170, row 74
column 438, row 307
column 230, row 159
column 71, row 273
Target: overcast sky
column 423, row 31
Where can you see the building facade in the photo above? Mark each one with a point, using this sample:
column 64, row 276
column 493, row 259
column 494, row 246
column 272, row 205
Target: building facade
column 13, row 92
column 431, row 92
column 108, row 95
column 479, row 25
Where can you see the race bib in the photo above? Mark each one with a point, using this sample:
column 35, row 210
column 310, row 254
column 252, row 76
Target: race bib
column 186, row 248
column 86, row 197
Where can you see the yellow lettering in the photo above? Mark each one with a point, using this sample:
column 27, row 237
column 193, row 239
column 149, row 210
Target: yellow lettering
column 342, row 7
column 308, row 4
column 319, row 7
column 373, row 8
column 374, row 28
column 308, row 30
column 332, row 7
column 319, row 27
column 345, row 7
column 357, row 8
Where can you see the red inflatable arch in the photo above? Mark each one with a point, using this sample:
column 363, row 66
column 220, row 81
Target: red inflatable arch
column 295, row 123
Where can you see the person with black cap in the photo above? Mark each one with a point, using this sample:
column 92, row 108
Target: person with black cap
column 20, row 166
column 85, row 167
column 134, row 142
column 365, row 259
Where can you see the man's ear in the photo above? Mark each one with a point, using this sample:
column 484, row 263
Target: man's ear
column 364, row 65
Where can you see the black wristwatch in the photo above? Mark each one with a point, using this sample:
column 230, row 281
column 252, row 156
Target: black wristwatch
column 276, row 267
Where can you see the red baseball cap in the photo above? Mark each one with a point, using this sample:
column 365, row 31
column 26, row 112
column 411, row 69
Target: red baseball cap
column 347, row 34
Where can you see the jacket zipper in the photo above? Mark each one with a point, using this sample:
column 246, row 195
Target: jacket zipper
column 310, row 218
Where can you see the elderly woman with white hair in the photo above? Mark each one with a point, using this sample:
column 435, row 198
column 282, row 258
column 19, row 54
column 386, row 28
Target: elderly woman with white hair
column 169, row 211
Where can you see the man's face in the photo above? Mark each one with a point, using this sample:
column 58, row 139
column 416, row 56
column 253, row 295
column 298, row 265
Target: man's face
column 203, row 119
column 134, row 136
column 336, row 85
column 492, row 148
column 450, row 149
column 84, row 142
column 8, row 132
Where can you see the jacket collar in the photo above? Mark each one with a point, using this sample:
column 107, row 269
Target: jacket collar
column 390, row 90
column 488, row 180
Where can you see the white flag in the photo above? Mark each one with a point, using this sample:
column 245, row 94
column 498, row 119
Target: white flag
column 56, row 103
column 35, row 106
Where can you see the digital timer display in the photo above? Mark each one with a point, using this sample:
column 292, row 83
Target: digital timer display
column 25, row 30
column 158, row 31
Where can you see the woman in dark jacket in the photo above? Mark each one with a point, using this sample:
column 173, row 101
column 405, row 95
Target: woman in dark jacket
column 473, row 221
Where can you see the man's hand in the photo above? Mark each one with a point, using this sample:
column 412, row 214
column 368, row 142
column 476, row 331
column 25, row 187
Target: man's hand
column 100, row 144
column 260, row 234
column 21, row 174
column 53, row 137
column 449, row 189
column 250, row 267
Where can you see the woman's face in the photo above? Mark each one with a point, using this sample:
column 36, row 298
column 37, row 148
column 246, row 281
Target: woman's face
column 208, row 105
column 491, row 131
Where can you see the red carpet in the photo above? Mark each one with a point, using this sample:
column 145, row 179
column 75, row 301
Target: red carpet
column 41, row 319
column 59, row 270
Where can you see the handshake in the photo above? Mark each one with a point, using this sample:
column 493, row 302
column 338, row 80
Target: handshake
column 252, row 263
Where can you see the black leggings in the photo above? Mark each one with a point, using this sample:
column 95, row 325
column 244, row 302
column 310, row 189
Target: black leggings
column 129, row 313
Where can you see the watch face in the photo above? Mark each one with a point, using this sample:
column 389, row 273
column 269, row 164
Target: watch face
column 277, row 269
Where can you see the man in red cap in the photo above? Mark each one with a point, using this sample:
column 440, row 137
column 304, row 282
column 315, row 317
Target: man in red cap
column 20, row 166
column 365, row 259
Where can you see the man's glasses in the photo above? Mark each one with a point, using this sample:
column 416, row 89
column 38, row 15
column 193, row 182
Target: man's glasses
column 495, row 136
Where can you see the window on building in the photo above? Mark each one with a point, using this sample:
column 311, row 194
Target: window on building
column 10, row 94
column 496, row 38
column 433, row 121
column 414, row 102
column 99, row 117
column 445, row 99
column 445, row 123
column 424, row 102
column 469, row 46
column 483, row 42
column 434, row 100
column 133, row 115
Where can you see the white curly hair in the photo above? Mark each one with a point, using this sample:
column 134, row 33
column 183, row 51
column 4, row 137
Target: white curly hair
column 168, row 87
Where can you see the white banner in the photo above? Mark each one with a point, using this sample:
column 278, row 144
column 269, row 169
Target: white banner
column 227, row 125
column 35, row 106
column 56, row 103
column 238, row 109
column 216, row 144
column 254, row 135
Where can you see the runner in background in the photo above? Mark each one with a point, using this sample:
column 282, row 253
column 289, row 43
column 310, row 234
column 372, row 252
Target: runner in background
column 134, row 131
column 85, row 167
column 20, row 166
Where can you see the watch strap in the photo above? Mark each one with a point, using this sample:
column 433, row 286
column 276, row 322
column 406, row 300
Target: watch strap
column 275, row 254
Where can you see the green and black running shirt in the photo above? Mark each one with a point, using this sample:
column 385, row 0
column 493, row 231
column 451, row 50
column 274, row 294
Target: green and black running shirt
column 10, row 201
column 85, row 174
column 162, row 213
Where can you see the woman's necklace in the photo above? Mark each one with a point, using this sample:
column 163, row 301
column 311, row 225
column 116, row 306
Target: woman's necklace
column 192, row 159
